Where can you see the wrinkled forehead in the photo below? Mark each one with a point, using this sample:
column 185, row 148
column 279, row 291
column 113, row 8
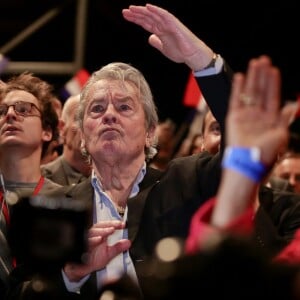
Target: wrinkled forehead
column 112, row 88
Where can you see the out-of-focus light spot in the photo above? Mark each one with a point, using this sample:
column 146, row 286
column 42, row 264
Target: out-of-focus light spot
column 107, row 295
column 38, row 286
column 168, row 249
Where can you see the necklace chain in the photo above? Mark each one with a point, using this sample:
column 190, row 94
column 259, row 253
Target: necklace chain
column 120, row 210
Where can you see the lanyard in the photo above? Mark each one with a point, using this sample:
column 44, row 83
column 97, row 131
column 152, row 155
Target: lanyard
column 39, row 186
column 4, row 207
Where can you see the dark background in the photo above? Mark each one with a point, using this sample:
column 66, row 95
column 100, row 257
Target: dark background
column 237, row 30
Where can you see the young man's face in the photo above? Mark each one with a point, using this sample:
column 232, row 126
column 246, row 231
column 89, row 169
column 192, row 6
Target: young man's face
column 21, row 126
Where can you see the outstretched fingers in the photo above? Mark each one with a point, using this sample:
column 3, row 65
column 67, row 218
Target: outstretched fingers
column 145, row 16
column 117, row 248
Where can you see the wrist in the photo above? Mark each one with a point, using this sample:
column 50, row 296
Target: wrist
column 212, row 62
column 245, row 161
column 200, row 59
column 74, row 272
column 215, row 67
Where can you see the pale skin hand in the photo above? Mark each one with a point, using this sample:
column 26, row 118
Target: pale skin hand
column 263, row 125
column 99, row 252
column 171, row 37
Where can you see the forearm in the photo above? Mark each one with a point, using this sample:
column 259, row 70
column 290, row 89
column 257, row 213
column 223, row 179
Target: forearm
column 235, row 195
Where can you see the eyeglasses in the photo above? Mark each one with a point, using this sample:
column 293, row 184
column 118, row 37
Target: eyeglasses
column 21, row 108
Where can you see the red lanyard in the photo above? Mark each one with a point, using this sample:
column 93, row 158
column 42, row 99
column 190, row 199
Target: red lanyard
column 4, row 207
column 39, row 186
column 5, row 211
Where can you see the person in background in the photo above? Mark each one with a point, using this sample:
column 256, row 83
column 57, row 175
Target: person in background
column 28, row 124
column 54, row 148
column 188, row 131
column 284, row 182
column 165, row 134
column 72, row 165
column 196, row 144
column 287, row 168
column 210, row 137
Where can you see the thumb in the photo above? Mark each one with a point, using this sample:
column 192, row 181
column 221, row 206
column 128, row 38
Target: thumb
column 289, row 113
column 155, row 42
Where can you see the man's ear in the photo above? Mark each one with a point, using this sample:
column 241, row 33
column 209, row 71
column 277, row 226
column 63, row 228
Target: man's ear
column 61, row 124
column 47, row 134
column 150, row 136
column 82, row 144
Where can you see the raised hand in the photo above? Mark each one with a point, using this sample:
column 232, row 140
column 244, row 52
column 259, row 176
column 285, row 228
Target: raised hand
column 255, row 118
column 170, row 36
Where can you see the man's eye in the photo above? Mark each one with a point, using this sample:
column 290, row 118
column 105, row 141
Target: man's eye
column 216, row 129
column 285, row 176
column 97, row 108
column 3, row 111
column 124, row 107
column 22, row 109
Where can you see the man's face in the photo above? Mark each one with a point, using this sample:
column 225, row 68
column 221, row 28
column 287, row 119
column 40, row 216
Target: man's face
column 21, row 131
column 114, row 126
column 289, row 169
column 211, row 134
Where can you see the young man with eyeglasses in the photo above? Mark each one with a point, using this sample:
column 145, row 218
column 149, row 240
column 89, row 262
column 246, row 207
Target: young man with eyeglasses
column 28, row 123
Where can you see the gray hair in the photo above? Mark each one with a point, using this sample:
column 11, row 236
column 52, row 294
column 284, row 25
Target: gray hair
column 125, row 73
column 69, row 106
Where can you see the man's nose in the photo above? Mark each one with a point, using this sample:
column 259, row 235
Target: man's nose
column 10, row 109
column 11, row 112
column 110, row 114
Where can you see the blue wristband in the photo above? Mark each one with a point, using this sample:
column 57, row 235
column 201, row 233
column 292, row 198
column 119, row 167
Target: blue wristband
column 245, row 161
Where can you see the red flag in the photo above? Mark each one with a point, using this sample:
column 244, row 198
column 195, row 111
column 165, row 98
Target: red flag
column 193, row 96
column 75, row 84
column 298, row 112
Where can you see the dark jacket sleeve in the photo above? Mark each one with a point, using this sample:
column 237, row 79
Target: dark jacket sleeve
column 277, row 219
column 216, row 91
